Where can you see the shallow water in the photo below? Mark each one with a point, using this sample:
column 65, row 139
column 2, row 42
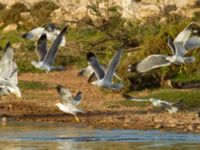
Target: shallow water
column 35, row 136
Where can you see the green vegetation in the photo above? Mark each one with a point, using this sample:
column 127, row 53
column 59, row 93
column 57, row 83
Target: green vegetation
column 33, row 85
column 103, row 37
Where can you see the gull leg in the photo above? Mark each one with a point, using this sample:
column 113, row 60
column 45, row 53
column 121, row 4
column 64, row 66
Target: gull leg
column 77, row 119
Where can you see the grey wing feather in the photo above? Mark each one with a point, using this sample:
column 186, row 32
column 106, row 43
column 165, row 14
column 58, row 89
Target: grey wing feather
column 171, row 45
column 152, row 62
column 8, row 53
column 42, row 47
column 113, row 65
column 65, row 95
column 50, row 57
column 192, row 43
column 77, row 98
column 96, row 66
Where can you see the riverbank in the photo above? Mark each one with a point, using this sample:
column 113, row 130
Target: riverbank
column 103, row 108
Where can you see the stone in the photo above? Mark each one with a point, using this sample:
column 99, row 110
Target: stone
column 3, row 119
column 25, row 15
column 10, row 27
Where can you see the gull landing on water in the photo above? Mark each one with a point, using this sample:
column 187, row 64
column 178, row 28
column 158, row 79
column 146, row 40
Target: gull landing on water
column 49, row 29
column 104, row 78
column 46, row 59
column 8, row 73
column 68, row 103
column 180, row 47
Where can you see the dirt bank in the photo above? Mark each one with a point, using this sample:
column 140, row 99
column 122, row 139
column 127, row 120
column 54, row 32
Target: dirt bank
column 102, row 107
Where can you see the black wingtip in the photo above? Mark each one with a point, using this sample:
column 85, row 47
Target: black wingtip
column 8, row 45
column 43, row 37
column 64, row 29
column 24, row 35
column 90, row 55
column 58, row 87
column 126, row 96
column 79, row 92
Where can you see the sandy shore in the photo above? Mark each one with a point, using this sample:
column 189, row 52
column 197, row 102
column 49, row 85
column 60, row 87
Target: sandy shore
column 102, row 108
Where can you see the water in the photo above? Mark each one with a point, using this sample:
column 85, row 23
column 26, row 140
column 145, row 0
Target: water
column 34, row 136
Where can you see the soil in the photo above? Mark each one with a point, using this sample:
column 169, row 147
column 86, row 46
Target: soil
column 102, row 107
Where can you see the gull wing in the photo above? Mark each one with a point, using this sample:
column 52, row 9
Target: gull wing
column 181, row 39
column 50, row 57
column 34, row 34
column 77, row 98
column 130, row 98
column 8, row 52
column 95, row 65
column 192, row 43
column 152, row 62
column 13, row 74
column 65, row 94
column 113, row 65
column 170, row 43
column 42, row 47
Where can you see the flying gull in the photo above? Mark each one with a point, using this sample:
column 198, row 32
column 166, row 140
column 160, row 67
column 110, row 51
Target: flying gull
column 47, row 58
column 68, row 103
column 170, row 107
column 180, row 47
column 8, row 73
column 89, row 73
column 104, row 78
column 51, row 31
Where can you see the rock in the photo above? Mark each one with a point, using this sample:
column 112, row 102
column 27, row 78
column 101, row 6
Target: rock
column 191, row 127
column 3, row 119
column 16, row 45
column 159, row 126
column 10, row 27
column 25, row 15
column 10, row 107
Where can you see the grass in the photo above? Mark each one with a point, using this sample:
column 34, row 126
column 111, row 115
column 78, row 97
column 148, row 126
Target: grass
column 33, row 85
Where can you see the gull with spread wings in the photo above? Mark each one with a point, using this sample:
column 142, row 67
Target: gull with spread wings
column 104, row 78
column 68, row 103
column 179, row 47
column 49, row 29
column 47, row 58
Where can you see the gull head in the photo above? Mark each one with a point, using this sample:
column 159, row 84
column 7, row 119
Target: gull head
column 59, row 87
column 132, row 67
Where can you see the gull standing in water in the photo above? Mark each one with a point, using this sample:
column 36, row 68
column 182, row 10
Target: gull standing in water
column 8, row 73
column 180, row 47
column 104, row 78
column 68, row 103
column 51, row 31
column 46, row 59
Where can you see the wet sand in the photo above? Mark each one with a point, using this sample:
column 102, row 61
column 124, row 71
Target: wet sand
column 102, row 107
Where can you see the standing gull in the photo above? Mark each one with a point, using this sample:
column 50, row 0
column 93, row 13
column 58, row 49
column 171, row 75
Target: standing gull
column 180, row 47
column 8, row 73
column 51, row 31
column 68, row 103
column 47, row 58
column 104, row 78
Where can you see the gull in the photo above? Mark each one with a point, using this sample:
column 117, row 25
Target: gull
column 8, row 73
column 51, row 31
column 46, row 59
column 68, row 103
column 89, row 72
column 104, row 78
column 170, row 107
column 180, row 47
